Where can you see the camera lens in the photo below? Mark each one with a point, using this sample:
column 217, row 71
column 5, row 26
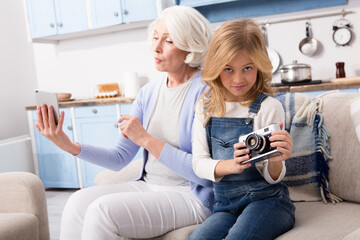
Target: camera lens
column 255, row 142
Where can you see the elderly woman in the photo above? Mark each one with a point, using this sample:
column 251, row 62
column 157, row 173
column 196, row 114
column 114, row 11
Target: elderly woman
column 168, row 194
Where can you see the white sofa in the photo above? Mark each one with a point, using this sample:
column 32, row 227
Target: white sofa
column 23, row 210
column 314, row 219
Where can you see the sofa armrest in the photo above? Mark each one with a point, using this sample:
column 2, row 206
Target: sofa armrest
column 23, row 192
column 130, row 172
column 354, row 235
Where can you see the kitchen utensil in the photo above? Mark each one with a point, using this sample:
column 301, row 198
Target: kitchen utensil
column 295, row 72
column 308, row 46
column 63, row 96
column 273, row 55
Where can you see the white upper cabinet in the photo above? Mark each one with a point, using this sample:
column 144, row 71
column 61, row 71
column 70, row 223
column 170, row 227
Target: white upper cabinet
column 139, row 10
column 105, row 13
column 53, row 17
column 53, row 20
column 112, row 12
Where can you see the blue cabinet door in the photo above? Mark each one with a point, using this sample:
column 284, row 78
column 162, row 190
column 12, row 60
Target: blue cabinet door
column 52, row 17
column 42, row 21
column 139, row 10
column 70, row 16
column 112, row 12
column 223, row 10
column 57, row 169
column 95, row 125
column 106, row 13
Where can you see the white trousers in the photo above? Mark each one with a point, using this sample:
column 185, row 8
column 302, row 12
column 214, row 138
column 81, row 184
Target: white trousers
column 134, row 209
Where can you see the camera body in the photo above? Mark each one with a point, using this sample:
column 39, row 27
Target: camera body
column 259, row 144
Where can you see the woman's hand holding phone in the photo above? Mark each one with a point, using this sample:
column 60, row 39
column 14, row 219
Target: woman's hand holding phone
column 47, row 127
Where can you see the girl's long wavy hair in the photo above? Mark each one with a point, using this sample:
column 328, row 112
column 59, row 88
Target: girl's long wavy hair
column 231, row 38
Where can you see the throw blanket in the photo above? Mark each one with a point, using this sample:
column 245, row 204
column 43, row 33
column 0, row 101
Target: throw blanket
column 307, row 169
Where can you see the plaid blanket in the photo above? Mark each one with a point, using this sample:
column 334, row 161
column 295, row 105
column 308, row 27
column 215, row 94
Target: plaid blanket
column 307, row 169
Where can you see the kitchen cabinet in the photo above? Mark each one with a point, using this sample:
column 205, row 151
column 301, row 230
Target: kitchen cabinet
column 218, row 10
column 112, row 12
column 95, row 125
column 53, row 17
column 57, row 169
column 52, row 20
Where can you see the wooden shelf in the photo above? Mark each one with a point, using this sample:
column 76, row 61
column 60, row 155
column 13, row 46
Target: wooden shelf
column 90, row 102
column 317, row 87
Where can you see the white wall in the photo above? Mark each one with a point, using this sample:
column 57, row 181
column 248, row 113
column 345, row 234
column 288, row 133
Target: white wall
column 78, row 65
column 285, row 39
column 17, row 70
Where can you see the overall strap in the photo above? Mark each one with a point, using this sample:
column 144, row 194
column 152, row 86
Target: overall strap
column 255, row 107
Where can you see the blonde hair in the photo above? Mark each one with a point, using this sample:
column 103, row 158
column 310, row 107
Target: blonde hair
column 189, row 30
column 231, row 38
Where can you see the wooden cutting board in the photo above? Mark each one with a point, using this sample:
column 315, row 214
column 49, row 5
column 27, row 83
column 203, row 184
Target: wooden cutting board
column 346, row 80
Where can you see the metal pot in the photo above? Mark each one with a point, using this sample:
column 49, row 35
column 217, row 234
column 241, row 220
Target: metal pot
column 295, row 73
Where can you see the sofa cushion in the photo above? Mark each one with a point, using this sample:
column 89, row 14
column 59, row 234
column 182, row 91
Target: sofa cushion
column 19, row 226
column 355, row 115
column 316, row 220
column 344, row 145
column 130, row 172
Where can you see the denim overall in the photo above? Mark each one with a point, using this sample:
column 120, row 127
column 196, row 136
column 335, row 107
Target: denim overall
column 246, row 205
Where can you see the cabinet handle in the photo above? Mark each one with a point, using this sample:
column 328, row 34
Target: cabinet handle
column 60, row 24
column 69, row 128
column 94, row 111
column 125, row 11
column 51, row 25
column 116, row 14
column 116, row 125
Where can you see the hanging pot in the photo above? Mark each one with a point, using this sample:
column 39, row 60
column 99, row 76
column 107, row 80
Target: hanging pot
column 295, row 73
column 273, row 55
column 308, row 46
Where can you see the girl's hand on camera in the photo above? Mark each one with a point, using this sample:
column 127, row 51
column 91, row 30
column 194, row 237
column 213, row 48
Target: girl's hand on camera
column 241, row 154
column 233, row 166
column 283, row 143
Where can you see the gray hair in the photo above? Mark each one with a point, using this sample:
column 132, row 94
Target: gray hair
column 189, row 30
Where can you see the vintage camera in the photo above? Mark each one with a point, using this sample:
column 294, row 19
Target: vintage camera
column 259, row 144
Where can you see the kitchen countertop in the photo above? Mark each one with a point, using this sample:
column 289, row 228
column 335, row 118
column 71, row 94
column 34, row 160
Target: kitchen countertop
column 89, row 102
column 324, row 86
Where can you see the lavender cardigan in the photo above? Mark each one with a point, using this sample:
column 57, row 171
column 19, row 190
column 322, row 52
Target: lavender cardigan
column 178, row 160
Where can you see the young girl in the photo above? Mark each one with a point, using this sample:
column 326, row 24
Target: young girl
column 251, row 201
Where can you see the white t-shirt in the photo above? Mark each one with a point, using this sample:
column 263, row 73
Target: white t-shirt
column 164, row 125
column 271, row 111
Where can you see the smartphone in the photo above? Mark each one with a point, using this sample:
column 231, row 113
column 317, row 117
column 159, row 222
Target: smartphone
column 50, row 99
